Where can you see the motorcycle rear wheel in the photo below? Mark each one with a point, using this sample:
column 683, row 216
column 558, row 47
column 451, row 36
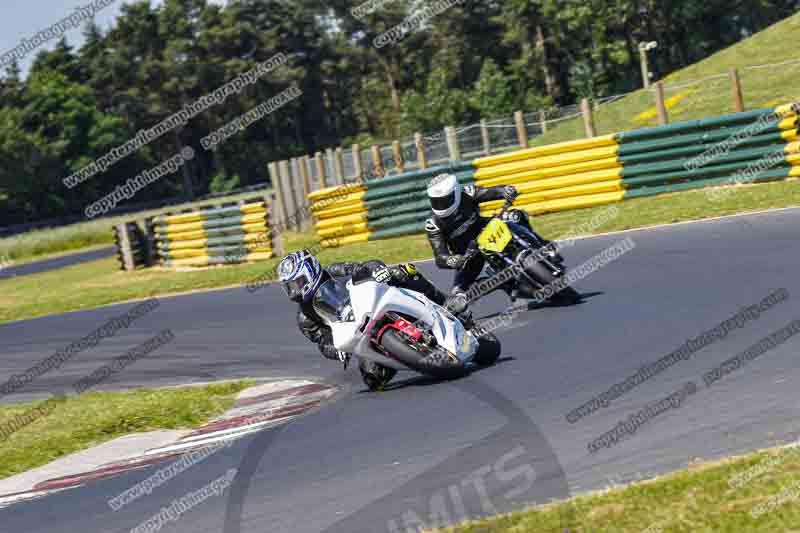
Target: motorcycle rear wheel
column 435, row 362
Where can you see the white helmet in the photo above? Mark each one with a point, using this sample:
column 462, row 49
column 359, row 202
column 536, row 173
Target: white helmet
column 444, row 192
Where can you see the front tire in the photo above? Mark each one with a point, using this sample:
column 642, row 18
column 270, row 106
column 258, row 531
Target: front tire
column 436, row 362
column 375, row 376
column 488, row 350
column 542, row 275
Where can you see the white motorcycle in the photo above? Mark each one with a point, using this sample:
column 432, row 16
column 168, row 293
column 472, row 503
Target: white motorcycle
column 399, row 329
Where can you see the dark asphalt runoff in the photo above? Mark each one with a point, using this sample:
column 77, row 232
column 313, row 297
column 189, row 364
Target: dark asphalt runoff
column 425, row 453
column 46, row 265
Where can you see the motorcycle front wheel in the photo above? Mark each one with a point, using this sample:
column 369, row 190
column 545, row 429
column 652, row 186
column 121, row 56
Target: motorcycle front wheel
column 542, row 275
column 488, row 349
column 375, row 376
column 435, row 362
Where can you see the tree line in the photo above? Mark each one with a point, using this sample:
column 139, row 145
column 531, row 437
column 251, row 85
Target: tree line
column 477, row 59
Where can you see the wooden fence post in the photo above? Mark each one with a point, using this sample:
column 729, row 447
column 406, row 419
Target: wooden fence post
column 487, row 145
column 522, row 131
column 274, row 224
column 338, row 165
column 588, row 118
column 377, row 161
column 149, row 233
column 398, row 157
column 452, row 143
column 278, row 187
column 358, row 167
column 288, row 189
column 297, row 186
column 300, row 179
column 663, row 118
column 736, row 87
column 323, row 182
column 419, row 142
column 124, row 247
column 309, row 185
column 331, row 164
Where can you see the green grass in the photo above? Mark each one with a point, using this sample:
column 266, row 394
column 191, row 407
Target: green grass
column 52, row 242
column 86, row 420
column 101, row 282
column 761, row 88
column 696, row 500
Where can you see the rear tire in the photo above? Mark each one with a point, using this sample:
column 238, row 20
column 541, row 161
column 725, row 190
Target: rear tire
column 435, row 362
column 488, row 350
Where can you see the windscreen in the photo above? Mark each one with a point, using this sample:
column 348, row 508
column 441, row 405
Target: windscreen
column 332, row 301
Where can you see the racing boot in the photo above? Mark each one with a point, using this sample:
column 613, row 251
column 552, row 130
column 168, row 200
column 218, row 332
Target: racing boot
column 458, row 304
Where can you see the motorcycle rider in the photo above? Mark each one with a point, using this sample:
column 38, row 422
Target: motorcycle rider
column 456, row 223
column 301, row 274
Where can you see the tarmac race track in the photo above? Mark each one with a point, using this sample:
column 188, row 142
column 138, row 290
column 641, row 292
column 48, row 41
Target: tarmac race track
column 46, row 265
column 497, row 440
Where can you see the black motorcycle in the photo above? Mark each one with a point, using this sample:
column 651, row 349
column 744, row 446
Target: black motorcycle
column 519, row 262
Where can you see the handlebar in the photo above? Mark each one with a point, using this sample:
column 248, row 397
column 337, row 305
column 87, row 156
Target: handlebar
column 506, row 206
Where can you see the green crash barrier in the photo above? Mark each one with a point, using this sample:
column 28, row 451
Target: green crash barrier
column 214, row 241
column 688, row 155
column 417, row 187
column 703, row 172
column 207, row 214
column 745, row 156
column 698, row 143
column 399, row 231
column 407, row 183
column 418, row 174
column 418, row 215
column 203, row 237
column 702, row 124
column 699, row 184
column 210, row 225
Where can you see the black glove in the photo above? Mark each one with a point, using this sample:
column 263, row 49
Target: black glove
column 387, row 274
column 457, row 303
column 456, row 262
column 510, row 193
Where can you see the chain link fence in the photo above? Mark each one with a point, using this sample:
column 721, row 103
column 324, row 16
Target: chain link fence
column 701, row 97
column 762, row 86
column 770, row 85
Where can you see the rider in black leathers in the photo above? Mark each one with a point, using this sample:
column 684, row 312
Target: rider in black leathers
column 456, row 224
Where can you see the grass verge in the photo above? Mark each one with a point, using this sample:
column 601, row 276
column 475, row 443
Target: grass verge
column 80, row 422
column 703, row 89
column 703, row 498
column 101, row 282
column 52, row 242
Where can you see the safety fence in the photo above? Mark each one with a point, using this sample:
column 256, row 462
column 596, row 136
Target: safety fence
column 379, row 209
column 229, row 233
column 747, row 147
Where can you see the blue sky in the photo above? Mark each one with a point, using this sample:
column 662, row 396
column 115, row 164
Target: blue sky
column 24, row 18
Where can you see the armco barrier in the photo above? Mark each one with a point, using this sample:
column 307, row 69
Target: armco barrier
column 580, row 173
column 381, row 208
column 213, row 236
column 645, row 162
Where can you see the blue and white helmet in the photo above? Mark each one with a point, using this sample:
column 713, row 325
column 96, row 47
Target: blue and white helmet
column 300, row 274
